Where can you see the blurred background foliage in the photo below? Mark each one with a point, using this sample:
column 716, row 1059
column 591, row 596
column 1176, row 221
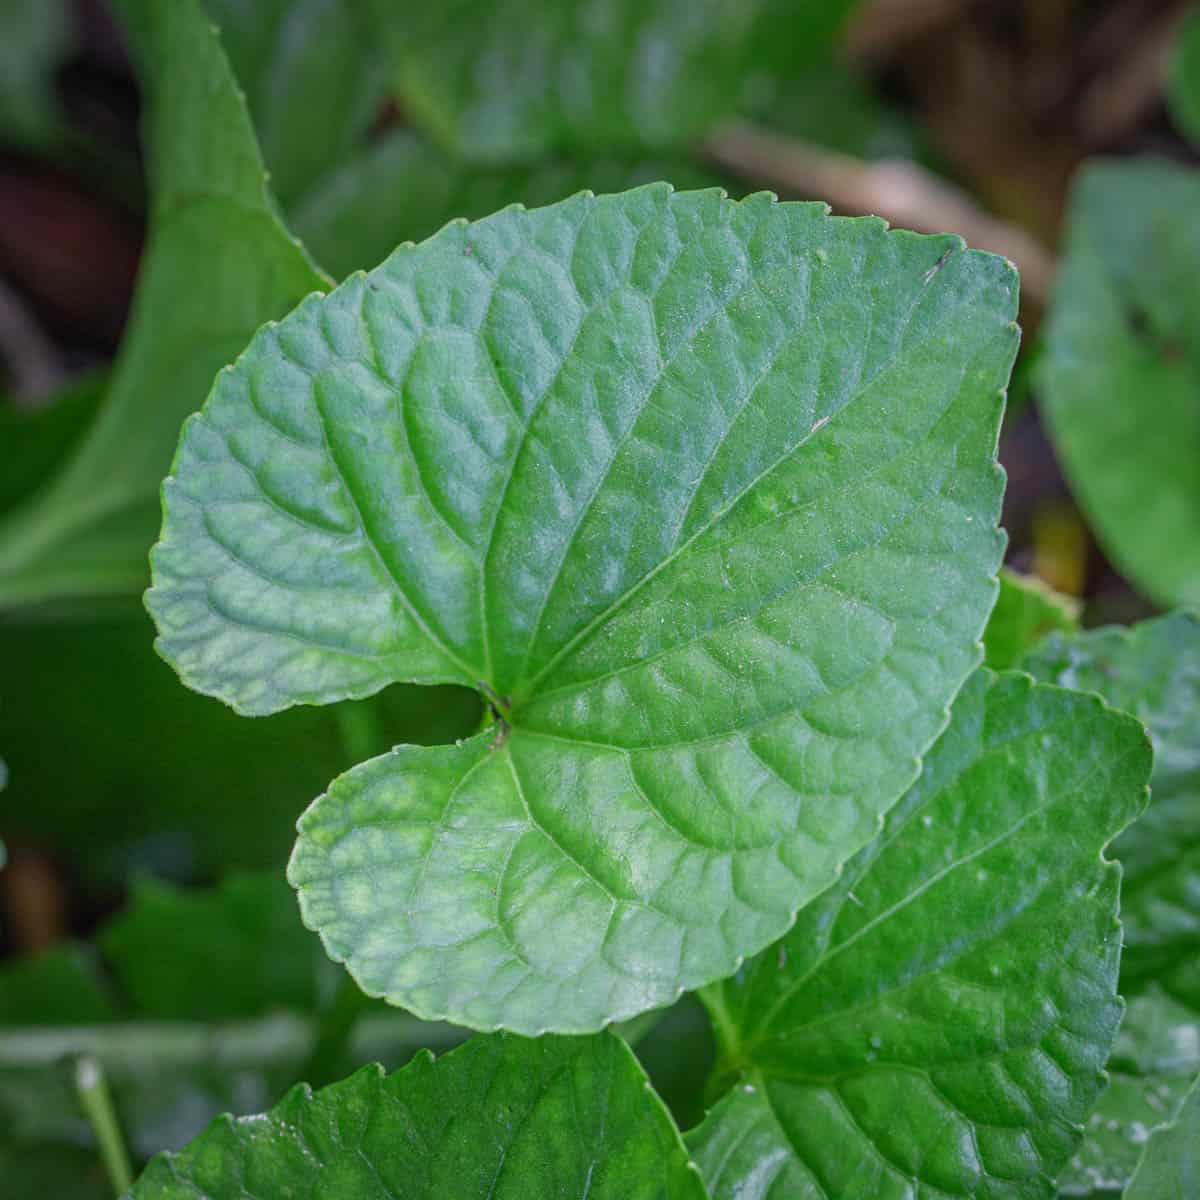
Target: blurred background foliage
column 155, row 175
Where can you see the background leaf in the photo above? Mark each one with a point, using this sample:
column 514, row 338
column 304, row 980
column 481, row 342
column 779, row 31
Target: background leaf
column 219, row 263
column 1183, row 82
column 314, row 78
column 939, row 1019
column 1155, row 1059
column 1026, row 611
column 1170, row 1166
column 1125, row 326
column 1152, row 671
column 511, row 80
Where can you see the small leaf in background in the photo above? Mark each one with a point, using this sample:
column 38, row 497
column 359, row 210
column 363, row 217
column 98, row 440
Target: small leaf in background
column 35, row 38
column 500, row 1118
column 35, row 442
column 701, row 494
column 156, row 779
column 1121, row 369
column 1154, row 1061
column 939, row 1019
column 1170, row 1166
column 58, row 986
column 235, row 951
column 167, row 1016
column 510, row 80
column 1183, row 82
column 404, row 188
column 1151, row 670
column 218, row 264
column 314, row 77
column 1026, row 611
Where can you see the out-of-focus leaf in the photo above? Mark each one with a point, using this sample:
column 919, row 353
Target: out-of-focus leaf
column 35, row 37
column 405, row 189
column 59, row 986
column 1026, row 610
column 1121, row 369
column 154, row 778
column 238, row 950
column 515, row 79
column 218, row 264
column 314, row 75
column 1170, row 1165
column 1154, row 1061
column 1183, row 81
column 33, row 444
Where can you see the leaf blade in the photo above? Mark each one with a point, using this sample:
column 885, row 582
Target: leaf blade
column 529, row 456
column 498, row 1117
column 918, row 1025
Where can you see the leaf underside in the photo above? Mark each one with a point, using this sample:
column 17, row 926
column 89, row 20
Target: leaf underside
column 499, row 1117
column 701, row 495
column 937, row 1023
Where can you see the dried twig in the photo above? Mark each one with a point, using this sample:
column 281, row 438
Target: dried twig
column 901, row 192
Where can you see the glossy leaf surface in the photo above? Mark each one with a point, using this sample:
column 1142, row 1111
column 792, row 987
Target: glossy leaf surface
column 1121, row 370
column 701, row 494
column 936, row 1024
column 500, row 1117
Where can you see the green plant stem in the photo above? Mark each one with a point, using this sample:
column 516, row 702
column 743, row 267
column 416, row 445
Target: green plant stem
column 96, row 1102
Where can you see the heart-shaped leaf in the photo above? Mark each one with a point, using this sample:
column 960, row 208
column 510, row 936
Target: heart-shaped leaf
column 700, row 494
column 498, row 1118
column 937, row 1023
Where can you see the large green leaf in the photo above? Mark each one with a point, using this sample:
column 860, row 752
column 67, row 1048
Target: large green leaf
column 1183, row 83
column 513, row 79
column 1153, row 672
column 1155, row 1059
column 403, row 188
column 314, row 75
column 702, row 495
column 219, row 263
column 1120, row 375
column 1026, row 611
column 499, row 1117
column 1170, row 1166
column 936, row 1024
